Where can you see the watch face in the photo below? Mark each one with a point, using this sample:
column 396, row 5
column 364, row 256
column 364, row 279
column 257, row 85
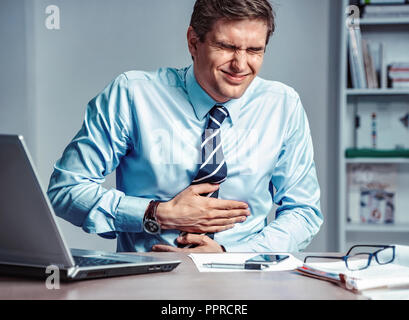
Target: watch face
column 151, row 227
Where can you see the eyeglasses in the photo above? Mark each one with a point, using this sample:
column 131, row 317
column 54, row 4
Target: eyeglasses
column 357, row 259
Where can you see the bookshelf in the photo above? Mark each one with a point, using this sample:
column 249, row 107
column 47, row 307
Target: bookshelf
column 377, row 92
column 378, row 161
column 389, row 103
column 356, row 227
column 384, row 21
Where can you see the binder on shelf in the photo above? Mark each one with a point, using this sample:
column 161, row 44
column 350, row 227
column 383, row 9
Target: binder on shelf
column 382, row 64
column 357, row 66
column 370, row 69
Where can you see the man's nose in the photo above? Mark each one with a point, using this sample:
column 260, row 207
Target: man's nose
column 239, row 61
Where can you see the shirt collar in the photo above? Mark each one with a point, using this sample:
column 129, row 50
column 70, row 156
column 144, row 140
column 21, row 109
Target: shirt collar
column 203, row 103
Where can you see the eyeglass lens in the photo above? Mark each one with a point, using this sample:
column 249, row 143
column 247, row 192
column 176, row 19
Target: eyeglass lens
column 358, row 260
column 385, row 256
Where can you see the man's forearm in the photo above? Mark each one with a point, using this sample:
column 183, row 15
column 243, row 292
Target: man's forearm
column 94, row 208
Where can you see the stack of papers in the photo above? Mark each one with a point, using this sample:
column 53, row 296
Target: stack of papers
column 372, row 277
column 200, row 259
column 390, row 281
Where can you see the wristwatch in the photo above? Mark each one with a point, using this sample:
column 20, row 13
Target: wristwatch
column 150, row 224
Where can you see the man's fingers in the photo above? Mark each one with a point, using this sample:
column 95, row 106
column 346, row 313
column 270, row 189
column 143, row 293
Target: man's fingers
column 226, row 204
column 223, row 221
column 238, row 215
column 165, row 248
column 190, row 238
column 200, row 243
column 216, row 221
column 214, row 202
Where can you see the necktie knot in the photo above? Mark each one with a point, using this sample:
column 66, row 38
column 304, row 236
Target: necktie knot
column 216, row 116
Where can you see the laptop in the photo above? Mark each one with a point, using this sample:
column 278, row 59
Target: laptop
column 30, row 238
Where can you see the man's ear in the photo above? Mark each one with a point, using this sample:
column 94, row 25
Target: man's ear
column 192, row 40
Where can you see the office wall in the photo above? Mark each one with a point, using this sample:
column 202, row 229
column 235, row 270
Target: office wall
column 15, row 112
column 63, row 69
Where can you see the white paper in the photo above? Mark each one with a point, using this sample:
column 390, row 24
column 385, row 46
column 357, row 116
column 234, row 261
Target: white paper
column 389, row 275
column 237, row 258
column 387, row 294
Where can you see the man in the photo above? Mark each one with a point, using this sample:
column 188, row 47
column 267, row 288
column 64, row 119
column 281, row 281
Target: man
column 198, row 151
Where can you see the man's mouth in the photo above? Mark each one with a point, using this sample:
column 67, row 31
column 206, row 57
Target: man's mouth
column 235, row 77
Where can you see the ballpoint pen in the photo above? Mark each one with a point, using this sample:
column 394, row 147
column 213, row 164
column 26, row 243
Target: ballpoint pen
column 246, row 266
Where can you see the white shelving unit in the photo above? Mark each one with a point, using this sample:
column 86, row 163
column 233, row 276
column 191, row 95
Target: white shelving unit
column 377, row 92
column 394, row 34
column 377, row 160
column 384, row 21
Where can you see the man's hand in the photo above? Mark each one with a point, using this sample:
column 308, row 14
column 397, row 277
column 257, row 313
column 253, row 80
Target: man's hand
column 202, row 242
column 193, row 213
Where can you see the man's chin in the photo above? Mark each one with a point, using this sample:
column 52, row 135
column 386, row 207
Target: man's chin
column 234, row 94
column 226, row 92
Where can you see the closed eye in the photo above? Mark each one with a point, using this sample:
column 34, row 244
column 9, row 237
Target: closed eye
column 226, row 46
column 230, row 47
column 256, row 50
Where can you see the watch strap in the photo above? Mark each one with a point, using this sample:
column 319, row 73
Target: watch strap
column 150, row 212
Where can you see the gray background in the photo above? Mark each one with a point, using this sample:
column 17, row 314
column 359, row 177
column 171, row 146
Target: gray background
column 48, row 76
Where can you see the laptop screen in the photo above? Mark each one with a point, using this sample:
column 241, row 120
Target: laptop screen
column 30, row 234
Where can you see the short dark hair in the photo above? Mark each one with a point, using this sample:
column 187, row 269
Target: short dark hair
column 207, row 12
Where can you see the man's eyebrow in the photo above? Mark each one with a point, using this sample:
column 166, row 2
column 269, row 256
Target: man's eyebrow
column 225, row 45
column 233, row 47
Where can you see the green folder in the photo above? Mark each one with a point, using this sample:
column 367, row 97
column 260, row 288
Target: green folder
column 374, row 153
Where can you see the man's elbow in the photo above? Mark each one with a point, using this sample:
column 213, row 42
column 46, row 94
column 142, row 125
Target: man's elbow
column 59, row 194
column 56, row 195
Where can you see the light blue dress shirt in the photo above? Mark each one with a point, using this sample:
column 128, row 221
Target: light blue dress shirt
column 148, row 126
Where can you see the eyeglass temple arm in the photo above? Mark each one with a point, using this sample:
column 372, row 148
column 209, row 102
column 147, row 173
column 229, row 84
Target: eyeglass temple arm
column 323, row 257
column 368, row 245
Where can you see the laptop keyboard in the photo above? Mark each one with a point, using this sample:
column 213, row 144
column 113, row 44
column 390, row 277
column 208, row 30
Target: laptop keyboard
column 90, row 262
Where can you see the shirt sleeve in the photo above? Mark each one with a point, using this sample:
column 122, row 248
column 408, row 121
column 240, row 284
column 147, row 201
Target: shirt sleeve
column 298, row 217
column 75, row 189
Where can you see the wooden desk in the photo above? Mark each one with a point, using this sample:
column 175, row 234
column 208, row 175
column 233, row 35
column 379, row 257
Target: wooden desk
column 183, row 283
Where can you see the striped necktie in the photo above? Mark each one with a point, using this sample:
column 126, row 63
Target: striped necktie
column 213, row 168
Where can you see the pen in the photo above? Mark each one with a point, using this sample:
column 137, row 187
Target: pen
column 216, row 265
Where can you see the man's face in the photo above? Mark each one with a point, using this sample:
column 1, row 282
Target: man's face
column 230, row 57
